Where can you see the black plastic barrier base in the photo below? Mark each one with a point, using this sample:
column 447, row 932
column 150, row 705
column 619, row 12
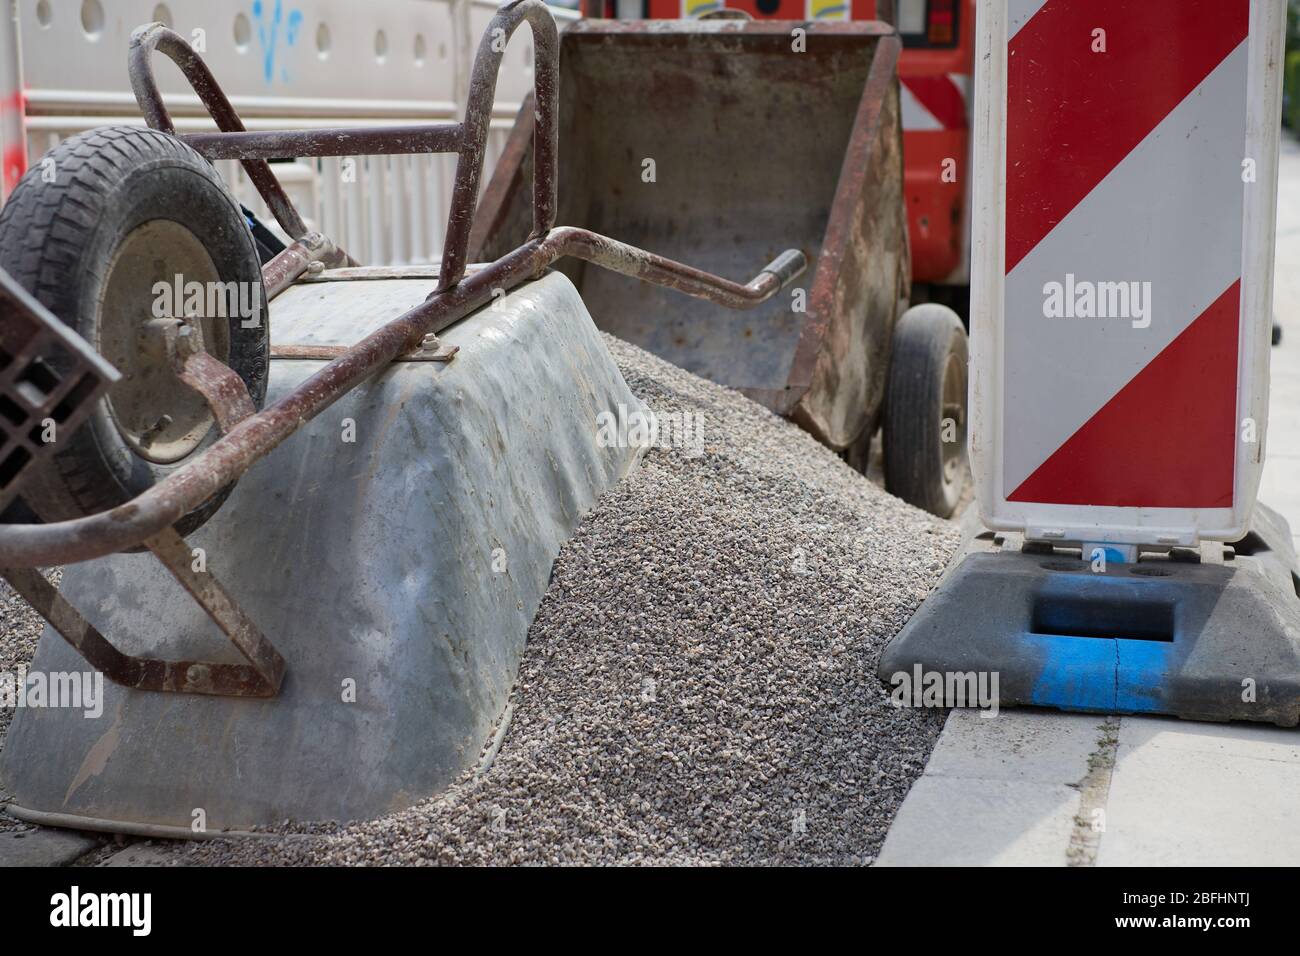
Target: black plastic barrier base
column 1208, row 635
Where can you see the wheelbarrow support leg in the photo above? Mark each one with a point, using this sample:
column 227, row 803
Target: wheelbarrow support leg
column 261, row 677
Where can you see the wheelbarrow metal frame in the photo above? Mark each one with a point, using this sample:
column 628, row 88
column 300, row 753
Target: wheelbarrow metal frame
column 249, row 436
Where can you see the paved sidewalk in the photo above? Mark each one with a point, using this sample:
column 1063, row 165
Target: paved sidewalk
column 1046, row 788
column 1281, row 484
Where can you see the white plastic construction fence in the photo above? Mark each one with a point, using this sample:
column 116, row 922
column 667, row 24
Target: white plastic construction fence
column 285, row 64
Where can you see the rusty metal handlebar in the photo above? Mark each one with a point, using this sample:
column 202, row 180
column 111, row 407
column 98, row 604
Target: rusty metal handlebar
column 478, row 117
column 456, row 295
column 156, row 36
column 630, row 261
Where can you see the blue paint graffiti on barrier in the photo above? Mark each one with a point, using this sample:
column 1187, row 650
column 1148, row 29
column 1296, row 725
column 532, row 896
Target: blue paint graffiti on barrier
column 269, row 36
column 1100, row 674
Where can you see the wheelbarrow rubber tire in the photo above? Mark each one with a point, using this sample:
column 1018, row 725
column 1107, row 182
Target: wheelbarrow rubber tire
column 112, row 189
column 929, row 349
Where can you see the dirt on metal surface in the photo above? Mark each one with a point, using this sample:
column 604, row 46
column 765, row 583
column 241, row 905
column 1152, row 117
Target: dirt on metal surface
column 699, row 684
column 20, row 629
column 720, row 143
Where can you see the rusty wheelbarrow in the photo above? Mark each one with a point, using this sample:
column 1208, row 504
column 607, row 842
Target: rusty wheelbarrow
column 719, row 142
column 335, row 631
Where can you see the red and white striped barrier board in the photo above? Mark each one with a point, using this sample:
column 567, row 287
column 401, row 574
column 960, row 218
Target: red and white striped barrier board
column 933, row 102
column 1125, row 189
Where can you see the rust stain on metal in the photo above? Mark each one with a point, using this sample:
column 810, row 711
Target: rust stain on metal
column 224, row 391
column 336, row 141
column 327, row 353
column 290, row 264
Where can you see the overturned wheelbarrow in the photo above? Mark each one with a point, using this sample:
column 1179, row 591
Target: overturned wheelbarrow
column 333, row 634
column 714, row 140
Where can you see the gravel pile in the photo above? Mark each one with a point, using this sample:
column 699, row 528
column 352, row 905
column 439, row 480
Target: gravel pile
column 699, row 685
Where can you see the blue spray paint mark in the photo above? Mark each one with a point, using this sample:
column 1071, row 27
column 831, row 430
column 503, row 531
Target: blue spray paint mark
column 1100, row 674
column 1078, row 672
column 1143, row 667
column 269, row 35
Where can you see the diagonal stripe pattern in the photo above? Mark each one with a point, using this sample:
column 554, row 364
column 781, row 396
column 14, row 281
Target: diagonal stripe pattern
column 1124, row 166
column 932, row 102
column 1073, row 114
column 1124, row 455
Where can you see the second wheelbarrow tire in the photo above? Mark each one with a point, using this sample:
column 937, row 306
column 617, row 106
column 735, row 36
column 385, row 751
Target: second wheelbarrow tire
column 88, row 231
column 925, row 409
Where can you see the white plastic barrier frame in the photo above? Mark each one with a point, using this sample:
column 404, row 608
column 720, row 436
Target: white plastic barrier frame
column 1034, row 370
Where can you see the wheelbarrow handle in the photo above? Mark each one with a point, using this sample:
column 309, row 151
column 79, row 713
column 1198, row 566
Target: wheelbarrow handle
column 630, row 261
column 788, row 266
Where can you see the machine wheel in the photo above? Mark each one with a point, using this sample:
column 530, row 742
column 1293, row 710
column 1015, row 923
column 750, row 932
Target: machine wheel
column 91, row 231
column 925, row 409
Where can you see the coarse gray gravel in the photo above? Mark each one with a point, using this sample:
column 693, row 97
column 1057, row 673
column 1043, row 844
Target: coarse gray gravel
column 699, row 685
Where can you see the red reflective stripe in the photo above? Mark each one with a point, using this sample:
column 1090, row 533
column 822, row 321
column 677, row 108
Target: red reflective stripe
column 1073, row 115
column 941, row 97
column 1167, row 439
